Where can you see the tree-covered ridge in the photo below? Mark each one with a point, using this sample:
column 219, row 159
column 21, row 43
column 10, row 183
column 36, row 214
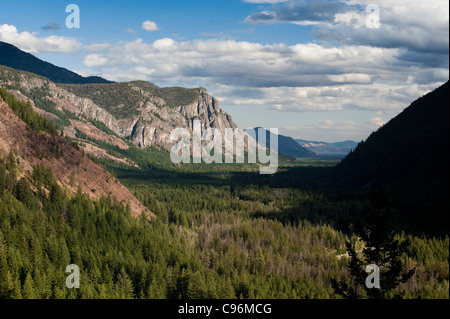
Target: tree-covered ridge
column 173, row 96
column 11, row 79
column 414, row 145
column 125, row 99
column 21, row 130
column 15, row 58
column 25, row 112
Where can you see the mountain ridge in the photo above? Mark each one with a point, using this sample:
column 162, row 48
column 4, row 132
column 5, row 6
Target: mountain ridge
column 15, row 58
column 147, row 120
column 326, row 149
column 286, row 145
column 409, row 157
column 408, row 142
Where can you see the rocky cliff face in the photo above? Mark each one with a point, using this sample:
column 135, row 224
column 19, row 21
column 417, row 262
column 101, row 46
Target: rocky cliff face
column 82, row 106
column 154, row 125
column 138, row 114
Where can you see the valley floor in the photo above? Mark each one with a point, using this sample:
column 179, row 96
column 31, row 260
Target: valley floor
column 216, row 235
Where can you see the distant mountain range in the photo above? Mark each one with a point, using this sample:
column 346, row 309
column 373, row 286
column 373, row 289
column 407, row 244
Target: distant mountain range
column 307, row 149
column 324, row 149
column 286, row 145
column 17, row 59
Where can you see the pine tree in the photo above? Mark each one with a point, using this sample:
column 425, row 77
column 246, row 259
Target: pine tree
column 10, row 162
column 156, row 289
column 228, row 290
column 196, row 288
column 28, row 291
column 171, row 284
column 6, row 284
column 16, row 293
column 382, row 249
column 59, row 292
column 124, row 285
column 107, row 277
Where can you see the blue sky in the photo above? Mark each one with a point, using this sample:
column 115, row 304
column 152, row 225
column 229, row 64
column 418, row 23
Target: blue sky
column 314, row 69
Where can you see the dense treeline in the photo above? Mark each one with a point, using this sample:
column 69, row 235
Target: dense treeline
column 206, row 242
column 25, row 112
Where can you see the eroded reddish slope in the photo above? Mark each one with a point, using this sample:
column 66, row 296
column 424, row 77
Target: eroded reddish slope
column 72, row 169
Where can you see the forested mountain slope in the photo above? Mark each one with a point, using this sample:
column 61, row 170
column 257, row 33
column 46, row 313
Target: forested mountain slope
column 415, row 143
column 35, row 142
column 410, row 157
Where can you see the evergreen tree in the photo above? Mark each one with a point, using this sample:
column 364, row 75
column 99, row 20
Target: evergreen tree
column 59, row 292
column 228, row 290
column 382, row 249
column 16, row 293
column 124, row 285
column 10, row 162
column 28, row 291
column 156, row 290
column 196, row 288
column 6, row 286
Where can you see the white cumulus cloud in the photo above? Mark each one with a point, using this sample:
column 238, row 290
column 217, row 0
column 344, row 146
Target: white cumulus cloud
column 149, row 26
column 95, row 60
column 30, row 42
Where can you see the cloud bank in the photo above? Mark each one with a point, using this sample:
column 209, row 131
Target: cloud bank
column 300, row 77
column 351, row 67
column 31, row 43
